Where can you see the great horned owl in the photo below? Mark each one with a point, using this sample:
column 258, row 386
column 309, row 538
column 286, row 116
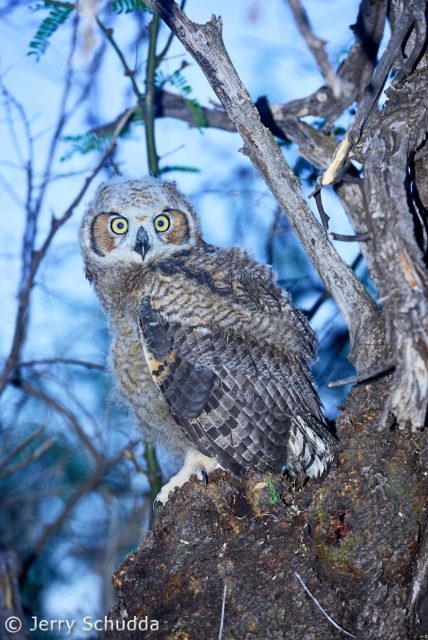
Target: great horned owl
column 208, row 351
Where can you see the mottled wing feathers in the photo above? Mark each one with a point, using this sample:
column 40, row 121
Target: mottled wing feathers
column 186, row 387
column 234, row 399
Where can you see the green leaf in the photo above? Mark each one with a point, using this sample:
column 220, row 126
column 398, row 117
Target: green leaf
column 127, row 6
column 58, row 14
column 274, row 496
column 175, row 167
column 84, row 144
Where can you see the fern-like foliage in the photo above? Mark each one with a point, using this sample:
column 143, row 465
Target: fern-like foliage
column 179, row 81
column 127, row 6
column 58, row 14
column 84, row 144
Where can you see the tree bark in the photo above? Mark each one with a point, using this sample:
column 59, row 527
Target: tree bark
column 353, row 538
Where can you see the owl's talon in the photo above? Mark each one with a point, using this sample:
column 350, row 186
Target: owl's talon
column 201, row 474
column 155, row 502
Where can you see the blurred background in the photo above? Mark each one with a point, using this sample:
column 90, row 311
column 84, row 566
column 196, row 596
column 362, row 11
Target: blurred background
column 74, row 493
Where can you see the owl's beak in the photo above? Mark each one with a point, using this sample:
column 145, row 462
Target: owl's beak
column 142, row 244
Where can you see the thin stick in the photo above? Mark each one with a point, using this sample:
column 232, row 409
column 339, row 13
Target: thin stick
column 80, row 363
column 366, row 375
column 45, row 446
column 37, row 256
column 321, row 609
column 44, row 397
column 359, row 237
column 152, row 156
column 86, row 487
column 315, row 46
column 223, row 604
column 20, row 448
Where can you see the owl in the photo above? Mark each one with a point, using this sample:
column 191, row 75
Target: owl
column 207, row 350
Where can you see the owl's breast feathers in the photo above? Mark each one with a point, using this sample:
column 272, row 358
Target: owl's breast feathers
column 230, row 355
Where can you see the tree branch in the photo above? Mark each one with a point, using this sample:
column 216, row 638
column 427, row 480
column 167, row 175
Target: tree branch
column 402, row 275
column 316, row 47
column 205, row 44
column 37, row 257
column 87, row 486
column 355, row 71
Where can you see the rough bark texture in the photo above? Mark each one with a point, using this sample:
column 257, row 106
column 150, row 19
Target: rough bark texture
column 352, row 537
column 401, row 273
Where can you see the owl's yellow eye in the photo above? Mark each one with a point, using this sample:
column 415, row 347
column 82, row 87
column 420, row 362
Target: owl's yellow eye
column 162, row 223
column 119, row 226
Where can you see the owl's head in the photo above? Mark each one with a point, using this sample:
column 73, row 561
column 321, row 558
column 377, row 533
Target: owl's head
column 131, row 220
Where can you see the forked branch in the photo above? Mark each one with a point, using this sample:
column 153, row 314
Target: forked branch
column 205, row 44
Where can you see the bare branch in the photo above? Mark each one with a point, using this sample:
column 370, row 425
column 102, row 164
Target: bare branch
column 323, row 611
column 41, row 395
column 204, row 43
column 316, row 47
column 365, row 375
column 87, row 486
column 22, row 445
column 45, row 446
column 37, row 256
column 80, row 363
column 355, row 71
column 414, row 12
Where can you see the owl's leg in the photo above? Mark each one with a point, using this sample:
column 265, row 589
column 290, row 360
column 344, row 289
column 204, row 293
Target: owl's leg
column 194, row 463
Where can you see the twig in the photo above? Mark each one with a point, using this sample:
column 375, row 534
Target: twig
column 321, row 608
column 128, row 72
column 37, row 256
column 205, row 44
column 324, row 217
column 90, row 484
column 81, row 363
column 161, row 56
column 271, row 236
column 45, row 446
column 41, row 395
column 366, row 375
column 152, row 155
column 223, row 604
column 411, row 12
column 358, row 237
column 20, row 447
column 316, row 47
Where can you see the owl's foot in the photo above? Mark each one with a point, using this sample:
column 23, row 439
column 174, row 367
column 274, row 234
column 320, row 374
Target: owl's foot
column 195, row 463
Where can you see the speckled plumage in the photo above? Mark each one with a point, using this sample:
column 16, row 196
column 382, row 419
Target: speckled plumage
column 208, row 351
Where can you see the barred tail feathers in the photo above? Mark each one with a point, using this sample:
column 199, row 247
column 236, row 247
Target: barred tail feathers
column 310, row 448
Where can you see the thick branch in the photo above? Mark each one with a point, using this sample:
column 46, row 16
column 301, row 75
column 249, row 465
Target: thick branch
column 402, row 275
column 205, row 44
